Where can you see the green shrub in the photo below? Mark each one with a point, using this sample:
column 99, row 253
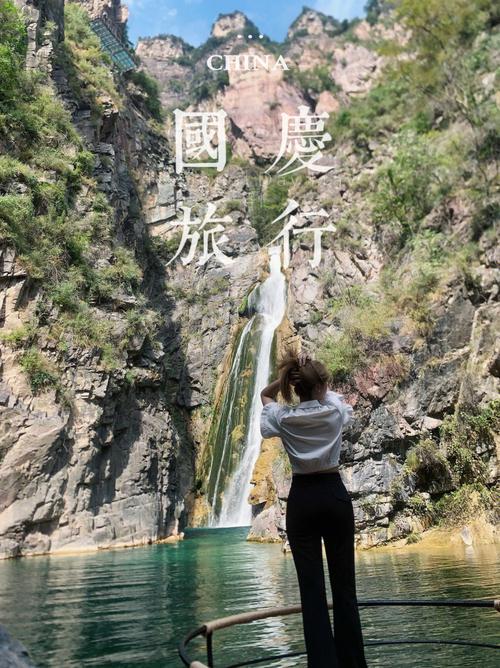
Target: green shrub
column 67, row 293
column 372, row 11
column 368, row 320
column 124, row 273
column 266, row 203
column 418, row 505
column 209, row 46
column 55, row 233
column 429, row 465
column 17, row 338
column 360, row 314
column 315, row 316
column 243, row 307
column 340, row 355
column 463, row 434
column 89, row 69
column 206, row 84
column 176, row 86
column 354, row 296
column 16, row 212
column 383, row 109
column 484, row 219
column 466, row 504
column 138, row 323
column 89, row 329
column 312, row 81
column 12, row 169
column 40, row 373
column 45, row 154
column 165, row 248
column 12, row 52
column 455, row 462
column 408, row 187
column 411, row 280
column 438, row 34
column 364, row 320
column 413, row 538
column 150, row 87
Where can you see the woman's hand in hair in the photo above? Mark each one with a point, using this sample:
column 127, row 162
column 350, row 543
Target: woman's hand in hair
column 302, row 358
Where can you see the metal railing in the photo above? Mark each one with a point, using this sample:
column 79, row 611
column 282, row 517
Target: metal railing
column 207, row 630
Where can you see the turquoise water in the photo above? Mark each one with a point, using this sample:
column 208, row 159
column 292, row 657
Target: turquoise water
column 131, row 607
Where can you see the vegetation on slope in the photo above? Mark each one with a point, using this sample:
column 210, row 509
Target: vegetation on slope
column 435, row 116
column 451, row 467
column 51, row 210
column 428, row 131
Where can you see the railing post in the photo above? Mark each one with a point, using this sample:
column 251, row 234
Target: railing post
column 210, row 655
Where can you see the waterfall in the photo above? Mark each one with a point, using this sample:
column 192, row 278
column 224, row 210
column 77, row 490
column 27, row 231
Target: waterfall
column 268, row 301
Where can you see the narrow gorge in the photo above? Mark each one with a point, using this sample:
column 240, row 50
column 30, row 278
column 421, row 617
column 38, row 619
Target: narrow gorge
column 130, row 380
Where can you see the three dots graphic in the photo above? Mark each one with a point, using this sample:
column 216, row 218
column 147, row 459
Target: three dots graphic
column 250, row 36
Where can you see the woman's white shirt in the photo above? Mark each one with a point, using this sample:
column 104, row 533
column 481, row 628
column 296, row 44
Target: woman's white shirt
column 311, row 432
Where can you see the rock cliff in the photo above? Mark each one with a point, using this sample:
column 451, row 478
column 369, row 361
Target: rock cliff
column 112, row 355
column 102, row 453
column 12, row 653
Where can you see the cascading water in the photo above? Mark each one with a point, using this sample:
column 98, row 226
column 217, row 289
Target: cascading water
column 230, row 473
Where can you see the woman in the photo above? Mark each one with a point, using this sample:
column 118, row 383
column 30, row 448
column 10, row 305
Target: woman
column 319, row 506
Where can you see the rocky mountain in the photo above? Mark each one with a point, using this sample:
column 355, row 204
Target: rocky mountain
column 114, row 358
column 325, row 70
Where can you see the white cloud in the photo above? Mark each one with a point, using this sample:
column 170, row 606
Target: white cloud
column 340, row 9
column 172, row 12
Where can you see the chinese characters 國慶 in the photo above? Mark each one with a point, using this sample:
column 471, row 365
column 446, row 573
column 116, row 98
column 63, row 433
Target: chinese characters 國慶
column 200, row 134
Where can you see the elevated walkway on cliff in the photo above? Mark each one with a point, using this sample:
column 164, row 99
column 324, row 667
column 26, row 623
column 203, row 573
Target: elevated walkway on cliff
column 116, row 49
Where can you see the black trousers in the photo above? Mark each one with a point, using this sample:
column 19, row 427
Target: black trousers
column 319, row 506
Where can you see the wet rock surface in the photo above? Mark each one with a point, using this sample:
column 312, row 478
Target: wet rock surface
column 12, row 653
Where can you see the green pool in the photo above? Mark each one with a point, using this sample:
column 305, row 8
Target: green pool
column 131, row 607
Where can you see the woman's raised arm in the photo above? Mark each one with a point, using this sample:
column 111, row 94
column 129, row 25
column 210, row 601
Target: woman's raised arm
column 269, row 393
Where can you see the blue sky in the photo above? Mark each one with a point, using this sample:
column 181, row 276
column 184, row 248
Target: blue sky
column 192, row 19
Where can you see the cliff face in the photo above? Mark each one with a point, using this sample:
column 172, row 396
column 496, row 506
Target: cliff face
column 105, row 465
column 111, row 362
column 167, row 54
column 421, row 379
column 102, row 453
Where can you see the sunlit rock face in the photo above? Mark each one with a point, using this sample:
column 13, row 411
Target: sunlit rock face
column 235, row 22
column 256, row 98
column 255, row 102
column 164, row 58
column 112, row 12
column 311, row 22
column 161, row 49
column 355, row 68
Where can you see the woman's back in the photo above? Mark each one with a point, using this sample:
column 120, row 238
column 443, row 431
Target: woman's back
column 311, row 432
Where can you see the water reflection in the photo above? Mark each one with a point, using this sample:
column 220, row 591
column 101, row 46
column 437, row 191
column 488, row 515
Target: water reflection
column 131, row 607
